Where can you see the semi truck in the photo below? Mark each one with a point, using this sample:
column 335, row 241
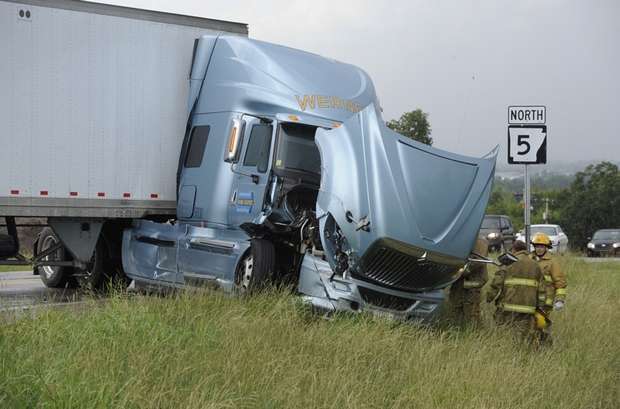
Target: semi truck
column 173, row 151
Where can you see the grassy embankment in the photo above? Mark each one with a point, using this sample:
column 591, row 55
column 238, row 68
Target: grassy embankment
column 4, row 269
column 197, row 351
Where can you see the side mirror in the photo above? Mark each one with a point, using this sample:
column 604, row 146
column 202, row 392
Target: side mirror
column 507, row 259
column 235, row 140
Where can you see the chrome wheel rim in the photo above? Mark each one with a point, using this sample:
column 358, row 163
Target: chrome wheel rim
column 246, row 273
column 48, row 242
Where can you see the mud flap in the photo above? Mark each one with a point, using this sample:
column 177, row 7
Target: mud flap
column 79, row 238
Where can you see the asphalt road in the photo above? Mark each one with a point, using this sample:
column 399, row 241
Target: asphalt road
column 21, row 290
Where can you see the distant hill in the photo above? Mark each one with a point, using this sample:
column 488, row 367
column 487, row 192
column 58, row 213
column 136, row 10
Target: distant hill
column 556, row 167
column 542, row 181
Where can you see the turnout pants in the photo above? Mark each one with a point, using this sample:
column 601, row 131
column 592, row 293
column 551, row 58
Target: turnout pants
column 523, row 324
column 465, row 303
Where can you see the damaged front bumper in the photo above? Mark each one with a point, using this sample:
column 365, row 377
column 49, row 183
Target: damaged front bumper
column 325, row 291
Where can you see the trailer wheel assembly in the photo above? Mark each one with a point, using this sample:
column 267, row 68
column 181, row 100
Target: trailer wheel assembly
column 256, row 267
column 52, row 276
column 99, row 272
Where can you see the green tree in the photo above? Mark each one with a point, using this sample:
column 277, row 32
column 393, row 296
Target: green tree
column 503, row 202
column 413, row 125
column 592, row 202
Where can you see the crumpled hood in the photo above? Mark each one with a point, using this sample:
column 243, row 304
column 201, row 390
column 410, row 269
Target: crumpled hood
column 417, row 199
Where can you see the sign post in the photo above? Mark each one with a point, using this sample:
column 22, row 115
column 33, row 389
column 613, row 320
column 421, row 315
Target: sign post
column 527, row 145
column 526, row 199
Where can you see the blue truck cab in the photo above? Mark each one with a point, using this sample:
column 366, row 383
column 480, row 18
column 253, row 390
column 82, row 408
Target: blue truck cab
column 288, row 174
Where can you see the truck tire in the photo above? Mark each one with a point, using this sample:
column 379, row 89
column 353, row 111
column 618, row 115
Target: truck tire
column 52, row 277
column 99, row 273
column 256, row 267
column 7, row 246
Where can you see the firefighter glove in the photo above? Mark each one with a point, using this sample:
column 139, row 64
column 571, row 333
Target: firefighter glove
column 558, row 305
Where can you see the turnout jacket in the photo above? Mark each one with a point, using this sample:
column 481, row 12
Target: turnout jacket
column 555, row 279
column 475, row 275
column 517, row 287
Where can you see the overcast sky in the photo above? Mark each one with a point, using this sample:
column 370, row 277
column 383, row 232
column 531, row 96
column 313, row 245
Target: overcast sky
column 463, row 62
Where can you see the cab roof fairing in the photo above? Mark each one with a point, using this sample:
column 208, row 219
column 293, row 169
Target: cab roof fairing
column 410, row 192
column 265, row 79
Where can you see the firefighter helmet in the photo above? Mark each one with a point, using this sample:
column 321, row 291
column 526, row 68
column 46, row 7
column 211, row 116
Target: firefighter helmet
column 541, row 239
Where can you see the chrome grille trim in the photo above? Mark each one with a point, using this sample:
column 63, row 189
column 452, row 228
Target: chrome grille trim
column 397, row 269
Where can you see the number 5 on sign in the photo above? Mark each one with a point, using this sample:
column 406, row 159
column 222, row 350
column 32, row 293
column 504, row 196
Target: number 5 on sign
column 527, row 144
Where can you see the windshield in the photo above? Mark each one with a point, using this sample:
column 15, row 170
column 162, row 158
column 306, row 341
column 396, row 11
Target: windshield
column 490, row 223
column 549, row 231
column 607, row 235
column 297, row 150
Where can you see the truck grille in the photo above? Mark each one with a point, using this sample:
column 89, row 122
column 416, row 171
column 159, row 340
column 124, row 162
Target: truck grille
column 395, row 269
column 383, row 300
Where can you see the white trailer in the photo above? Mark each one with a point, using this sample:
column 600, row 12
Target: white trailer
column 93, row 107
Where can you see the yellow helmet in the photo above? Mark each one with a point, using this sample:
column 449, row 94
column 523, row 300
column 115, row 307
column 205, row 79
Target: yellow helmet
column 541, row 238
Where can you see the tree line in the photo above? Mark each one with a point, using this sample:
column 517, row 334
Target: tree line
column 590, row 202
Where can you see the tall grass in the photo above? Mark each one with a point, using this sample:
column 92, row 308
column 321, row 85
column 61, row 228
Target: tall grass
column 4, row 269
column 206, row 350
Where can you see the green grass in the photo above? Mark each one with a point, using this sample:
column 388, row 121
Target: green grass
column 205, row 350
column 4, row 269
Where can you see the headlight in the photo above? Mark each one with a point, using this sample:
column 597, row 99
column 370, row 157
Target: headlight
column 616, row 245
column 492, row 235
column 590, row 245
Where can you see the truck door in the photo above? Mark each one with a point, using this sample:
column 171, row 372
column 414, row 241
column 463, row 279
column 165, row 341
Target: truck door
column 192, row 161
column 251, row 172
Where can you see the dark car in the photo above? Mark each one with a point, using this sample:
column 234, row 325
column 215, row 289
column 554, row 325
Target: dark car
column 498, row 231
column 605, row 242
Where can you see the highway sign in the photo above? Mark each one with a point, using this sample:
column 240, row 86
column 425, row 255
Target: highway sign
column 527, row 144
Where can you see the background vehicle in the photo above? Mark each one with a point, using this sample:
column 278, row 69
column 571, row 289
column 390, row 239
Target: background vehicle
column 604, row 242
column 499, row 232
column 248, row 187
column 558, row 238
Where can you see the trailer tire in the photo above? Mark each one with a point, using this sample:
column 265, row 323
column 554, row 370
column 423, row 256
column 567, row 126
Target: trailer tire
column 52, row 277
column 7, row 246
column 256, row 267
column 99, row 273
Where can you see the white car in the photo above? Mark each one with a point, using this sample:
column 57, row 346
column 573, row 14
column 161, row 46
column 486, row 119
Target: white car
column 559, row 240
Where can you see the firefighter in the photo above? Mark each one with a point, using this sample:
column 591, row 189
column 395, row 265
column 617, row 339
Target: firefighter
column 516, row 290
column 554, row 295
column 465, row 292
